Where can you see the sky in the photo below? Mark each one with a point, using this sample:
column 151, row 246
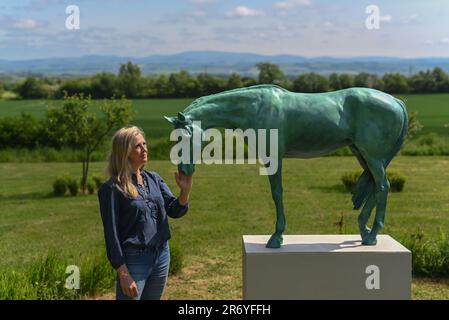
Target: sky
column 32, row 29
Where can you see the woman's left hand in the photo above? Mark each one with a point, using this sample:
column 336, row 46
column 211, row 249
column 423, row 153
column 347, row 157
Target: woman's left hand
column 184, row 182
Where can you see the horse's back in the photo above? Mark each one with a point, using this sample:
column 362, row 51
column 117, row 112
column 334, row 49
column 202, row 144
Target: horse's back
column 320, row 123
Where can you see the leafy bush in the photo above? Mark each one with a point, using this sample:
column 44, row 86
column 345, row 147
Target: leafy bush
column 349, row 179
column 20, row 131
column 396, row 178
column 73, row 186
column 91, row 186
column 60, row 186
column 98, row 180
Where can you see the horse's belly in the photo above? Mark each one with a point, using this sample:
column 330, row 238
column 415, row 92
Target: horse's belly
column 309, row 147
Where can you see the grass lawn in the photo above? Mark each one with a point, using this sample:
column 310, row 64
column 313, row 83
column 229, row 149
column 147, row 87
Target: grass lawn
column 227, row 202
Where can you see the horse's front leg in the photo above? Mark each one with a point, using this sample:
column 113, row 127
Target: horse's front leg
column 276, row 192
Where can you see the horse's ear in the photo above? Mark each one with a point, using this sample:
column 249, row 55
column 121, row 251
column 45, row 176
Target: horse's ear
column 181, row 117
column 172, row 120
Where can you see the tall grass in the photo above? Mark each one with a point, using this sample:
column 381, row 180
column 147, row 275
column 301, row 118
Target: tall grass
column 45, row 279
column 430, row 257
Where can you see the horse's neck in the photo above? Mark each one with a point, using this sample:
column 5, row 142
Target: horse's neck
column 223, row 115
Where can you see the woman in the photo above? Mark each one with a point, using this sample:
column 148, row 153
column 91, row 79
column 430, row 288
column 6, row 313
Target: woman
column 134, row 206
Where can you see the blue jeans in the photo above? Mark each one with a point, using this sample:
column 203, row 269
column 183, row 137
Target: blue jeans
column 149, row 269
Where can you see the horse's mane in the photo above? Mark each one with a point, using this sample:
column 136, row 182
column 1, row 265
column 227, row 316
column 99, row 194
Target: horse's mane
column 205, row 99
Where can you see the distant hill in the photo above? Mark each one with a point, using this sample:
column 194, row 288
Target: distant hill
column 219, row 63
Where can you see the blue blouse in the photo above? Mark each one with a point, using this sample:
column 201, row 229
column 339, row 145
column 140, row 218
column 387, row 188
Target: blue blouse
column 141, row 222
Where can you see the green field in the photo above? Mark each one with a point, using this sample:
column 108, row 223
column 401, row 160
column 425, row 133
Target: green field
column 433, row 111
column 227, row 202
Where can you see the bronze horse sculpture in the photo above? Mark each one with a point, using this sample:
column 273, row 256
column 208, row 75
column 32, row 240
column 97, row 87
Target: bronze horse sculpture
column 372, row 123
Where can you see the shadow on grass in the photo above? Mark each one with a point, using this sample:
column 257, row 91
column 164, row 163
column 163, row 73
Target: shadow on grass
column 329, row 189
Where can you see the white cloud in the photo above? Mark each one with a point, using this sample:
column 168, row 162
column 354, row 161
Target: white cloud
column 25, row 24
column 8, row 22
column 242, row 11
column 284, row 5
column 429, row 42
column 411, row 19
column 444, row 41
column 386, row 18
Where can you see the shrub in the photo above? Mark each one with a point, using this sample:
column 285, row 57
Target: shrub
column 98, row 180
column 396, row 178
column 73, row 187
column 91, row 186
column 176, row 258
column 349, row 179
column 60, row 186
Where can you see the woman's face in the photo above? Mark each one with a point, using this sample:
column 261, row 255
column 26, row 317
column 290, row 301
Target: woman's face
column 139, row 152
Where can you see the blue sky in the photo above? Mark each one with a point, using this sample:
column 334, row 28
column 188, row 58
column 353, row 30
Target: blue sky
column 408, row 28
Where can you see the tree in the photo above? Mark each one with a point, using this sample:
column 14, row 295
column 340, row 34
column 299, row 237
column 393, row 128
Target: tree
column 162, row 87
column 235, row 81
column 129, row 80
column 208, row 84
column 31, row 88
column 183, row 85
column 346, row 81
column 270, row 73
column 74, row 86
column 75, row 126
column 103, row 85
column 395, row 83
column 441, row 79
column 414, row 126
column 334, row 81
column 423, row 82
column 311, row 82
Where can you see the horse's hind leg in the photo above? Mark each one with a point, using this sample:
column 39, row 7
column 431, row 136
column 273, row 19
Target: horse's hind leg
column 365, row 214
column 377, row 169
column 276, row 192
column 370, row 202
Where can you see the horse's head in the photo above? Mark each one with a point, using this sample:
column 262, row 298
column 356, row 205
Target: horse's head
column 188, row 127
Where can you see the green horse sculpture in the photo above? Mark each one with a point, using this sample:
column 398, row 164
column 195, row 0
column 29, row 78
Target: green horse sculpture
column 372, row 123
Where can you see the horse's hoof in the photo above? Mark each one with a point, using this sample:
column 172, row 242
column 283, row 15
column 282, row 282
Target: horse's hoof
column 365, row 233
column 274, row 242
column 369, row 241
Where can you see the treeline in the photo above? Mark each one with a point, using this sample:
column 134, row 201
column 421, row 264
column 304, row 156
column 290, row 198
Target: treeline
column 131, row 83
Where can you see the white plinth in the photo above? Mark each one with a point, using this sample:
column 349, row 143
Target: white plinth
column 326, row 267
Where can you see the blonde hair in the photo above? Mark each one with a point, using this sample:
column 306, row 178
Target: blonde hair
column 119, row 167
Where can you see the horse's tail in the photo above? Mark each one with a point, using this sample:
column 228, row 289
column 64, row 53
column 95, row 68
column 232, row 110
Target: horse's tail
column 403, row 134
column 365, row 184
